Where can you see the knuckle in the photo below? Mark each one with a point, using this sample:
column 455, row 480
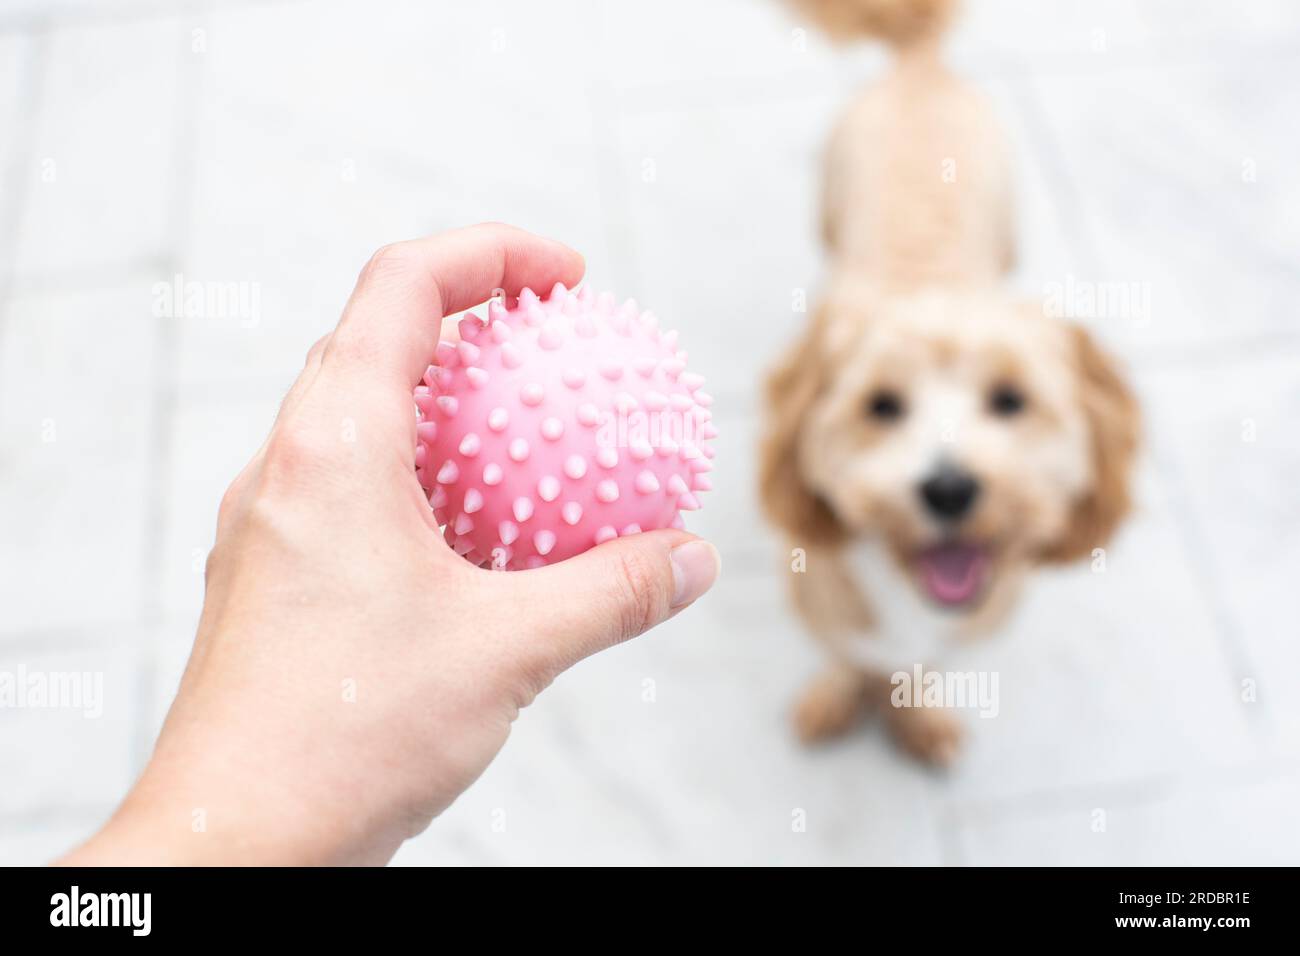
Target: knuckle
column 388, row 260
column 640, row 602
column 286, row 449
column 292, row 454
column 271, row 520
column 228, row 510
column 212, row 565
column 234, row 501
column 229, row 503
column 317, row 351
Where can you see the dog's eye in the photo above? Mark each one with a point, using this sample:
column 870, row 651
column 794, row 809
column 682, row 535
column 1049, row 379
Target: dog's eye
column 1006, row 400
column 885, row 405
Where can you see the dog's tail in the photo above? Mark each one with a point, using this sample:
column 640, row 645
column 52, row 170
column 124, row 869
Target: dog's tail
column 909, row 26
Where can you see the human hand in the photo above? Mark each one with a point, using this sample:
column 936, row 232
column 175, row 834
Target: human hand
column 351, row 674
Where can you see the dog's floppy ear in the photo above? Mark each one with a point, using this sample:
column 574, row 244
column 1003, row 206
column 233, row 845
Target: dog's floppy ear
column 1114, row 423
column 792, row 387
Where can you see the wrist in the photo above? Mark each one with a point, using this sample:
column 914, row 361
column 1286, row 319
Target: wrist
column 187, row 813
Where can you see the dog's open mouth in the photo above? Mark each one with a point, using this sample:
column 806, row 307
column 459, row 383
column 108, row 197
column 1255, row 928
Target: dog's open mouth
column 953, row 574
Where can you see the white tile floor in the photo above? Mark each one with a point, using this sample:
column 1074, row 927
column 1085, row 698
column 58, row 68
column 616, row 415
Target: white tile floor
column 676, row 145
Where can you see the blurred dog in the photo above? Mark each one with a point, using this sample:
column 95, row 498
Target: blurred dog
column 930, row 440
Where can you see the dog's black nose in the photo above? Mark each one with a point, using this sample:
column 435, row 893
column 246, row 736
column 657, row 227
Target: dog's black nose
column 949, row 492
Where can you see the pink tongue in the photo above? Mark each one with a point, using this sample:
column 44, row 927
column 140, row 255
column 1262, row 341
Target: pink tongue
column 953, row 573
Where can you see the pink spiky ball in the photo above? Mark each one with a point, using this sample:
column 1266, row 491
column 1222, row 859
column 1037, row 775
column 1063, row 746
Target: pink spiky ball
column 559, row 424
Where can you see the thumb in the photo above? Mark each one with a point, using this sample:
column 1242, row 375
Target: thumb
column 614, row 592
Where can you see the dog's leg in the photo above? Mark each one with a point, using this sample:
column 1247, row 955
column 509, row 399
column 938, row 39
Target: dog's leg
column 830, row 604
column 832, row 703
column 842, row 696
column 930, row 734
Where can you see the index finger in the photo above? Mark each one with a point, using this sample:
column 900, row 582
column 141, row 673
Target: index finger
column 391, row 323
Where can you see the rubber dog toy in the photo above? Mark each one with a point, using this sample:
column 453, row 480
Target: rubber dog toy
column 557, row 425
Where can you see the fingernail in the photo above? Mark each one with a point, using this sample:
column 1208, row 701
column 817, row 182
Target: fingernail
column 695, row 568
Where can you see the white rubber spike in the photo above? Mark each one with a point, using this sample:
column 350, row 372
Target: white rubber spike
column 551, row 337
column 469, row 353
column 552, row 428
column 469, row 328
column 445, row 355
column 575, row 466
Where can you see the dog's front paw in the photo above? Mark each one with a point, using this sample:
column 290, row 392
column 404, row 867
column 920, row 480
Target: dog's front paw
column 927, row 733
column 829, row 706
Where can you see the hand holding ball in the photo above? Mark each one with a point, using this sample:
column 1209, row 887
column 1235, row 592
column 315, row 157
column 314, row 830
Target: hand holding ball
column 560, row 424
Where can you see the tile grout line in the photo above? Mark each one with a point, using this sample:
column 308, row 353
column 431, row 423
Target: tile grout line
column 1070, row 211
column 848, row 73
column 32, row 83
column 189, row 77
column 81, row 638
column 139, row 12
column 1126, row 793
column 1199, row 548
column 89, row 815
column 1222, row 351
column 948, row 822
